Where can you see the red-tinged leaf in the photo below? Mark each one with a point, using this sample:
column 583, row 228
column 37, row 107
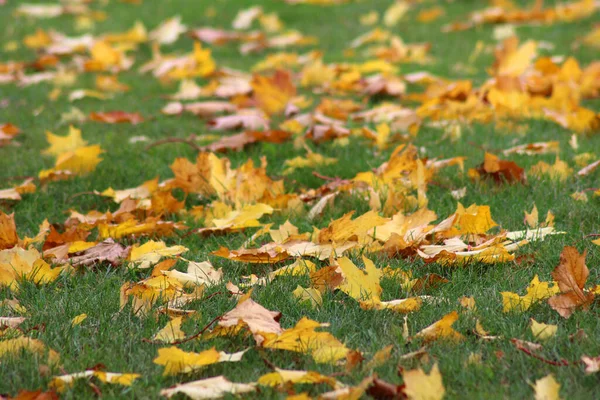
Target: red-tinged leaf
column 117, row 117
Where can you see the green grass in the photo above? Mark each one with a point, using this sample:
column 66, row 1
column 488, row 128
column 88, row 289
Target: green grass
column 114, row 338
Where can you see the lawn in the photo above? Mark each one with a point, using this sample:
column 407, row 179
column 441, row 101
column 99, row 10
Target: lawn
column 485, row 92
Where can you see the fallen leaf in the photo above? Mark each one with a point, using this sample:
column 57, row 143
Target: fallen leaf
column 441, row 329
column 547, row 388
column 542, row 331
column 422, row 386
column 571, row 275
column 210, row 388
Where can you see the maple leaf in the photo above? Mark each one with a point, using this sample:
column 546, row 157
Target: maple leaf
column 547, row 388
column 499, row 170
column 72, row 163
column 62, row 144
column 106, row 251
column 560, row 170
column 116, row 117
column 198, row 273
column 149, row 253
column 592, row 364
column 536, row 292
column 358, row 284
column 312, row 295
column 171, row 332
column 14, row 347
column 303, row 338
column 571, row 275
column 252, row 316
column 441, row 329
column 422, row 386
column 18, row 263
column 168, row 31
column 273, row 93
column 63, row 382
column 542, row 331
column 178, row 361
column 7, row 133
column 210, row 388
column 8, row 231
column 280, row 377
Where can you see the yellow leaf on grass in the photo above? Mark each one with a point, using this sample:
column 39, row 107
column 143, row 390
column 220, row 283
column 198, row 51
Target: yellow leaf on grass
column 62, row 382
column 171, row 332
column 282, row 376
column 18, row 263
column 560, row 170
column 441, row 329
column 62, row 144
column 311, row 294
column 77, row 162
column 210, row 388
column 178, row 361
column 536, row 291
column 149, row 253
column 395, row 12
column 422, row 386
column 13, row 347
column 542, row 331
column 358, row 284
column 78, row 319
column 474, row 219
column 547, row 388
column 303, row 338
column 273, row 93
column 311, row 160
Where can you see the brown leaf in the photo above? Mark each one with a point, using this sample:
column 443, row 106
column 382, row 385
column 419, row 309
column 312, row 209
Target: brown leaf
column 107, row 250
column 571, row 275
column 36, row 395
column 241, row 140
column 236, row 121
column 327, row 278
column 115, row 117
column 8, row 231
column 256, row 317
column 499, row 170
column 381, row 389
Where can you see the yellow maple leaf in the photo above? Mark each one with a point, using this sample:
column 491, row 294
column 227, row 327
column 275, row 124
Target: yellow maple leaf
column 178, row 361
column 311, row 294
column 273, row 93
column 547, row 388
column 171, row 332
column 536, row 291
column 441, row 329
column 303, row 338
column 422, row 386
column 215, row 387
column 474, row 219
column 77, row 162
column 63, row 144
column 149, row 253
column 358, row 284
column 542, row 331
column 560, row 170
column 62, row 382
column 282, row 376
column 13, row 347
